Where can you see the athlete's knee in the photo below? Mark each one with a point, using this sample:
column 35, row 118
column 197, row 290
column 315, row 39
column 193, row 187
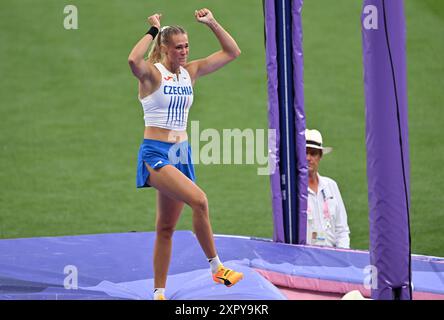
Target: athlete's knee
column 199, row 203
column 164, row 231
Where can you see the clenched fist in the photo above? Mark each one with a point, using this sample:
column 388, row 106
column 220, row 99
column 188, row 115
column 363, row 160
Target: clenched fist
column 154, row 20
column 204, row 16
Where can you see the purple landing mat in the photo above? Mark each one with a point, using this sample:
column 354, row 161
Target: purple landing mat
column 197, row 284
column 119, row 266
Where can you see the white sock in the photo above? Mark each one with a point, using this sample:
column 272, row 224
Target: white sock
column 158, row 292
column 214, row 264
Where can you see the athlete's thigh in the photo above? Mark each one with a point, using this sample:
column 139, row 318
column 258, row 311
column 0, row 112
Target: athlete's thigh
column 174, row 184
column 168, row 210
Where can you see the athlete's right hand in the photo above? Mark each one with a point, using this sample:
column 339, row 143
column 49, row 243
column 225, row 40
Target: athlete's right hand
column 154, row 20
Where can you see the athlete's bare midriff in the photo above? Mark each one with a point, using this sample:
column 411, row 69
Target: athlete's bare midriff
column 165, row 135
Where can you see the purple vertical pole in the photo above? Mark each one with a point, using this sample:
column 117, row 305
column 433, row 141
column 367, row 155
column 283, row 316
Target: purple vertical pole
column 388, row 167
column 286, row 115
column 273, row 118
column 301, row 158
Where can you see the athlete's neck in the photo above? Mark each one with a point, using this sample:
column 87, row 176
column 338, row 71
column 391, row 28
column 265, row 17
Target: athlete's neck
column 171, row 67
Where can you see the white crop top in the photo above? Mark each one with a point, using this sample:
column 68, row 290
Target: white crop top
column 168, row 106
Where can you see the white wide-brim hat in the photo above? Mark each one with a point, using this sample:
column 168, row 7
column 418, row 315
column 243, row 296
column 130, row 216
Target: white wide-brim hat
column 314, row 140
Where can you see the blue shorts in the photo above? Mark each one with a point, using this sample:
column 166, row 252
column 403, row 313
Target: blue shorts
column 158, row 154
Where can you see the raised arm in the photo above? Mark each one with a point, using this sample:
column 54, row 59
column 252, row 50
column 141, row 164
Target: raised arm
column 144, row 70
column 229, row 48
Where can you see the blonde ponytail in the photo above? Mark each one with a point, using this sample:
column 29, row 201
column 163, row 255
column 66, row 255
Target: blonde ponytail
column 155, row 54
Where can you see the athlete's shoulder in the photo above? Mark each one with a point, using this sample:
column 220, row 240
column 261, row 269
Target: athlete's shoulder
column 184, row 72
column 192, row 67
column 161, row 68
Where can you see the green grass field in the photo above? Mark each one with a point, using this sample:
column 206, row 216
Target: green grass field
column 71, row 124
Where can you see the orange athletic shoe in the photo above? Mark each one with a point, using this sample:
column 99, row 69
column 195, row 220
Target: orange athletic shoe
column 227, row 276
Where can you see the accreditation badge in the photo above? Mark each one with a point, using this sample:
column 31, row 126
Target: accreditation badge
column 320, row 238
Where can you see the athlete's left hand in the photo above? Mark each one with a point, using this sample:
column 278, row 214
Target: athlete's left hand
column 204, row 15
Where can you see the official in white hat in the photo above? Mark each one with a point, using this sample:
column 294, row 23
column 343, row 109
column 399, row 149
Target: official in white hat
column 326, row 215
column 314, row 140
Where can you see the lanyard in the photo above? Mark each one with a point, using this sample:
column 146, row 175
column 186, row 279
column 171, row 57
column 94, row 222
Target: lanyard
column 325, row 205
column 319, row 236
column 325, row 209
